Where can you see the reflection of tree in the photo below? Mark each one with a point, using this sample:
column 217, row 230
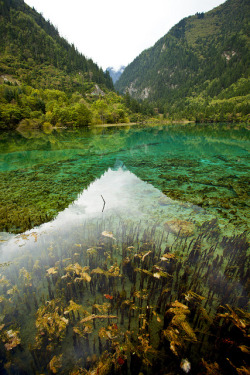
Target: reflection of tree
column 103, row 144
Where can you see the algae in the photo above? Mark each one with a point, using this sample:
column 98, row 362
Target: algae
column 42, row 174
column 148, row 283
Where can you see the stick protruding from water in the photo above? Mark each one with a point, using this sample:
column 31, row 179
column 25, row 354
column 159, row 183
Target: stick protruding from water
column 103, row 203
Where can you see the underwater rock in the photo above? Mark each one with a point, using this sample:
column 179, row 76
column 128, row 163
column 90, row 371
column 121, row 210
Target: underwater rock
column 165, row 201
column 182, row 227
column 185, row 365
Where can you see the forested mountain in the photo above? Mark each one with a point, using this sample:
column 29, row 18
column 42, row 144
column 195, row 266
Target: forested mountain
column 200, row 69
column 31, row 49
column 45, row 81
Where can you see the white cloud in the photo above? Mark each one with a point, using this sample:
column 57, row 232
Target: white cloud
column 114, row 32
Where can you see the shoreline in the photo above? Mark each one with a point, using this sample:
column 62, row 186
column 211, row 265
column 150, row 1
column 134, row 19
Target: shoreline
column 157, row 122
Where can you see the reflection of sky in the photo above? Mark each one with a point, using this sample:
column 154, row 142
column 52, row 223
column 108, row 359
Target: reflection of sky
column 115, row 188
column 126, row 197
column 118, row 189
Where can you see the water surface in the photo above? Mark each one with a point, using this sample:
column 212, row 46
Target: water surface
column 124, row 250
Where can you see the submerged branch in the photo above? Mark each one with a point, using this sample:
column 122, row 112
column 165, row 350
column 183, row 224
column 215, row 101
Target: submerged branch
column 103, row 203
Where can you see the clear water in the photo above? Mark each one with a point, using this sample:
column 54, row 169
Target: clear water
column 86, row 218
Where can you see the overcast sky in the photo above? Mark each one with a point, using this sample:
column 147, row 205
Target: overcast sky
column 114, row 32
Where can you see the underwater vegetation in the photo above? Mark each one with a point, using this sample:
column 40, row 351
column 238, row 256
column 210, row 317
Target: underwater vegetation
column 41, row 174
column 34, row 196
column 125, row 280
column 124, row 298
column 220, row 185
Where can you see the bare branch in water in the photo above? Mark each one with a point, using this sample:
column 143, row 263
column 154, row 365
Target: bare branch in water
column 103, row 203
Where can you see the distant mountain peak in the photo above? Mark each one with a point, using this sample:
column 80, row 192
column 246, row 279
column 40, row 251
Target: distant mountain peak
column 115, row 73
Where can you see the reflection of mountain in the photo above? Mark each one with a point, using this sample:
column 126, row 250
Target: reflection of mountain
column 41, row 176
column 127, row 198
column 113, row 139
column 86, row 263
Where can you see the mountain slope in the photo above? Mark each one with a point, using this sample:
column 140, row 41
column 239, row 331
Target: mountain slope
column 46, row 82
column 196, row 63
column 31, row 48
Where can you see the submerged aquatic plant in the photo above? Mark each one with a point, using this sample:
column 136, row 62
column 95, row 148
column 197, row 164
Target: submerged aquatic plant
column 10, row 338
column 77, row 270
column 152, row 301
column 178, row 328
column 75, row 308
column 239, row 318
column 108, row 234
column 181, row 228
column 55, row 364
column 50, row 323
column 211, row 368
column 52, row 271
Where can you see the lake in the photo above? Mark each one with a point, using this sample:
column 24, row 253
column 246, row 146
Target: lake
column 124, row 250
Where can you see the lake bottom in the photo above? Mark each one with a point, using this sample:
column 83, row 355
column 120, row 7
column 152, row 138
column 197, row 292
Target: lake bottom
column 140, row 273
column 115, row 296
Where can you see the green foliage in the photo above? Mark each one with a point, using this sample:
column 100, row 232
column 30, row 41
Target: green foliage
column 110, row 109
column 10, row 115
column 45, row 80
column 78, row 115
column 28, row 40
column 29, row 107
column 204, row 57
column 199, row 109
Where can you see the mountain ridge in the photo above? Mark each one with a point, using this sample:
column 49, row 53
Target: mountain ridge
column 40, row 45
column 199, row 58
column 46, row 82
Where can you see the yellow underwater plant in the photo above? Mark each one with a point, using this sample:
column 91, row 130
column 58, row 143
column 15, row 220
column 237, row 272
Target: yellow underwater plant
column 11, row 339
column 179, row 329
column 50, row 323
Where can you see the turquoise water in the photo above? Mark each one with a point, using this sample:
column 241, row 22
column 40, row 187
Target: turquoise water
column 103, row 230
